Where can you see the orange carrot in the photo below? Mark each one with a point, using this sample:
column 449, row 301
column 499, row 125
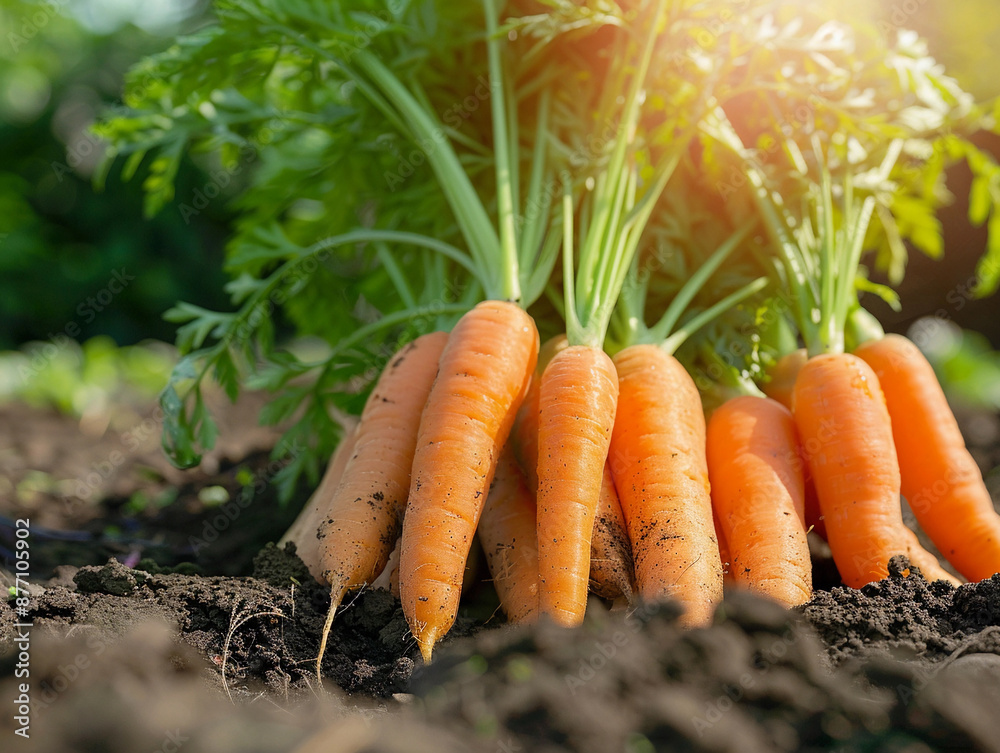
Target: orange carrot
column 781, row 377
column 611, row 568
column 507, row 534
column 303, row 532
column 362, row 521
column 612, row 572
column 758, row 493
column 843, row 423
column 526, row 425
column 724, row 555
column 576, row 412
column 483, row 376
column 940, row 479
column 659, row 467
column 815, row 522
column 780, row 385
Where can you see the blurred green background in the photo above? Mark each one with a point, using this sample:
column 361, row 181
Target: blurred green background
column 73, row 260
column 77, row 263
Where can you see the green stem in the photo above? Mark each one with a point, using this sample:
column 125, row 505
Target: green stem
column 537, row 205
column 614, row 229
column 573, row 329
column 672, row 343
column 469, row 211
column 510, row 284
column 831, row 337
column 860, row 328
column 696, row 282
column 736, row 382
column 387, row 260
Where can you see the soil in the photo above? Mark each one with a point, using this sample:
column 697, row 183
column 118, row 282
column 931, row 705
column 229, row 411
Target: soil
column 211, row 645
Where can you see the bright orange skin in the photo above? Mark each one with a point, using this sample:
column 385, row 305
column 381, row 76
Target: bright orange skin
column 940, row 479
column 482, row 379
column 576, row 411
column 758, row 492
column 782, row 376
column 507, row 534
column 611, row 570
column 844, row 427
column 780, row 386
column 304, row 531
column 526, row 424
column 360, row 525
column 658, row 462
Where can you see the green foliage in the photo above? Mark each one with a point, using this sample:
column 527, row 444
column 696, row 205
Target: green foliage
column 397, row 162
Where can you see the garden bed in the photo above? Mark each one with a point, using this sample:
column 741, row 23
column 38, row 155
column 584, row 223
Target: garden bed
column 219, row 655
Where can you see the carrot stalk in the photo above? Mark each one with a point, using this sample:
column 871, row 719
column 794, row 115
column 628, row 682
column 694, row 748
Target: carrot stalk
column 940, row 479
column 483, row 376
column 758, row 493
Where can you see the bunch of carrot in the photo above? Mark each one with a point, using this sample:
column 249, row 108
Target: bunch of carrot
column 586, row 464
column 596, row 182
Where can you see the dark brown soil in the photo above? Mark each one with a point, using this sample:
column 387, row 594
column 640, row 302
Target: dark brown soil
column 220, row 656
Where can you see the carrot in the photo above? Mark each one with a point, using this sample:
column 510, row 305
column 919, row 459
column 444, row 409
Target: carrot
column 815, row 522
column 484, row 373
column 612, row 571
column 362, row 522
column 388, row 579
column 611, row 568
column 940, row 479
column 303, row 532
column 507, row 534
column 781, row 377
column 758, row 493
column 526, row 424
column 843, row 423
column 779, row 386
column 660, row 472
column 724, row 554
column 576, row 411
